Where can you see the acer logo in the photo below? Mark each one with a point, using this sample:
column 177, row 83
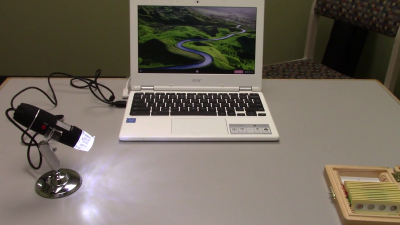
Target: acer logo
column 196, row 80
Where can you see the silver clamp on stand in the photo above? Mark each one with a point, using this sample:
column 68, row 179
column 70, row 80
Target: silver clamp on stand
column 59, row 182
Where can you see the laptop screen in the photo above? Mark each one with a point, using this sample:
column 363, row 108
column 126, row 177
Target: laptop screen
column 202, row 40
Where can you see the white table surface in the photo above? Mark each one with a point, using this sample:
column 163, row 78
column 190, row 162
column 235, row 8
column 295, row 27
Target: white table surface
column 343, row 122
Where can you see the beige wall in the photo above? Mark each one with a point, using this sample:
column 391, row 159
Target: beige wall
column 39, row 37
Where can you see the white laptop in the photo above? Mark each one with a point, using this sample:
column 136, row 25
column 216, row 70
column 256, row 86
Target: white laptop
column 196, row 71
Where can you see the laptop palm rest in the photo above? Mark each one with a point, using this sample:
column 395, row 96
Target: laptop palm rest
column 199, row 126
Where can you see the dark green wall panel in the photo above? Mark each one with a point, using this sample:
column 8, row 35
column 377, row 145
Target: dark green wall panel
column 39, row 37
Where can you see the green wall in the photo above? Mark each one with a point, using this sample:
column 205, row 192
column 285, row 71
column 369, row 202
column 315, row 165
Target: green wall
column 38, row 37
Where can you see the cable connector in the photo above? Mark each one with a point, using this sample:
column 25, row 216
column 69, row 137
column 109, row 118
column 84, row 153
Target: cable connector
column 127, row 89
column 119, row 104
column 125, row 93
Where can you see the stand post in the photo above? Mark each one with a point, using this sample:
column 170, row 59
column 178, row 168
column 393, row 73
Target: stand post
column 57, row 183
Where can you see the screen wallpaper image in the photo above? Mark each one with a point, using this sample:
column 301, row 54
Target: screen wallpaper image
column 218, row 40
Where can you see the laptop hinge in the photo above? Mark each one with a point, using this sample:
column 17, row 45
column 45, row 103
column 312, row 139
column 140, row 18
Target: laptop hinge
column 147, row 88
column 245, row 88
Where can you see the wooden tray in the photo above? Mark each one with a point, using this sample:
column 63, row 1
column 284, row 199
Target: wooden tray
column 346, row 214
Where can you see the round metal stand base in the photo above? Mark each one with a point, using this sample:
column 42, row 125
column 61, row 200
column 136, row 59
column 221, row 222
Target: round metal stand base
column 59, row 184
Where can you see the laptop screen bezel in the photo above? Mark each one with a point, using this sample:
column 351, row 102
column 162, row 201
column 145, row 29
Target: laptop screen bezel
column 196, row 81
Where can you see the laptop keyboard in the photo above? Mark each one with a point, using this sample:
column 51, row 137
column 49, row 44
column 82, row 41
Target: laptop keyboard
column 196, row 104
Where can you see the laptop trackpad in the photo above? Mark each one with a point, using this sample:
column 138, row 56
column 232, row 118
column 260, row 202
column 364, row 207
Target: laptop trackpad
column 199, row 126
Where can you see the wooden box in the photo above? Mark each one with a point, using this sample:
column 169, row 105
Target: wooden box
column 347, row 216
